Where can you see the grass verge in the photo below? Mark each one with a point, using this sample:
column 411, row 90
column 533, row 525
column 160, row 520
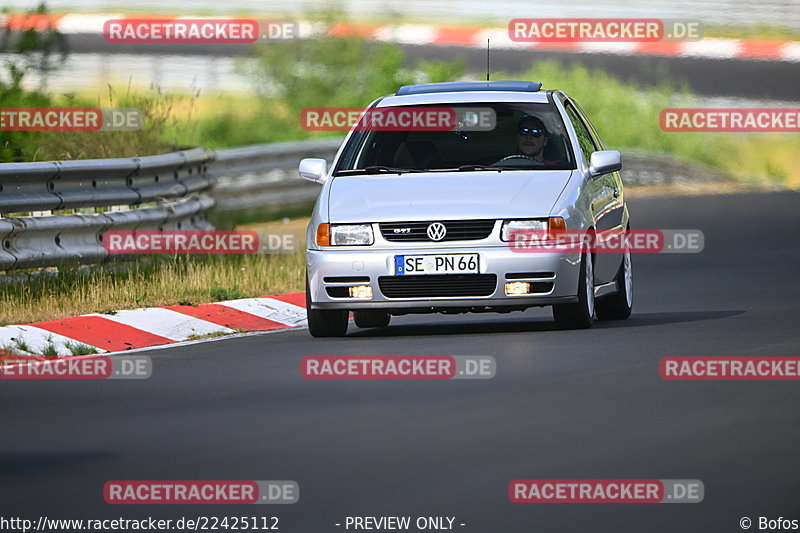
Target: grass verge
column 150, row 282
column 156, row 280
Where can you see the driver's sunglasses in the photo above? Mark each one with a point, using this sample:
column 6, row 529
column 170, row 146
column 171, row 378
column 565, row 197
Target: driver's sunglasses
column 530, row 131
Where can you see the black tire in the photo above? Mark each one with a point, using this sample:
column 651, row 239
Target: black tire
column 578, row 315
column 371, row 319
column 620, row 305
column 325, row 323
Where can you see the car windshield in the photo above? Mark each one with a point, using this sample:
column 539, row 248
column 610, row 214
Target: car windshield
column 523, row 136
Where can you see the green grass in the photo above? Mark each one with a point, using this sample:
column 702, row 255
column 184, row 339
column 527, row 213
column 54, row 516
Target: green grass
column 764, row 32
column 77, row 348
column 50, row 349
column 220, row 294
column 22, row 345
column 149, row 282
column 167, row 122
column 214, row 335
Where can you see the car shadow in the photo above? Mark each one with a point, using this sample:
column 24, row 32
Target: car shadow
column 537, row 325
column 654, row 319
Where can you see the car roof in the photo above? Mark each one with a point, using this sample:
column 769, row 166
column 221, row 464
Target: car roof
column 461, row 86
column 467, row 92
column 465, row 97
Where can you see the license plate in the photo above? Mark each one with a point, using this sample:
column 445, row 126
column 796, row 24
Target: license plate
column 436, row 264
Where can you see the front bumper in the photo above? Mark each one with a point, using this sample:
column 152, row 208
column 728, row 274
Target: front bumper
column 364, row 267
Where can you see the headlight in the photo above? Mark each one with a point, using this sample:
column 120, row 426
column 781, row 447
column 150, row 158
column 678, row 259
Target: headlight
column 351, row 235
column 510, row 226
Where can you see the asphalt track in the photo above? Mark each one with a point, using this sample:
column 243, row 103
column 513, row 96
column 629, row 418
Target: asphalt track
column 580, row 404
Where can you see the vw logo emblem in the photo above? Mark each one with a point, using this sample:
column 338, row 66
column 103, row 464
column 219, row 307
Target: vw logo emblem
column 436, row 231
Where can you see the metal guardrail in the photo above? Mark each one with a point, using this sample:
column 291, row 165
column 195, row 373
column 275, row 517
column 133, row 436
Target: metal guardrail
column 185, row 186
column 264, row 176
column 175, row 182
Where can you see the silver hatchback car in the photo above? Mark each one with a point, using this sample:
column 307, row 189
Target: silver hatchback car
column 420, row 220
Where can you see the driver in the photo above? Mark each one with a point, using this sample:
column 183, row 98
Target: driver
column 532, row 138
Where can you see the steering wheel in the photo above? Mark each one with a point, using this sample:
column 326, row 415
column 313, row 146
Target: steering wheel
column 519, row 157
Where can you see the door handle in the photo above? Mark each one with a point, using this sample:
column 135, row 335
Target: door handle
column 616, row 193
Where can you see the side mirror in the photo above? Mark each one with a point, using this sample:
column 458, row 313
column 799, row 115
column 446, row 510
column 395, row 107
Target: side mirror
column 315, row 170
column 604, row 162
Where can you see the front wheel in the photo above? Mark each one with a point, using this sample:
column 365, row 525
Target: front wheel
column 579, row 315
column 619, row 306
column 323, row 323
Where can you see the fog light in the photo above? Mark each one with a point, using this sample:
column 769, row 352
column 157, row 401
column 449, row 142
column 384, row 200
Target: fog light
column 518, row 287
column 361, row 291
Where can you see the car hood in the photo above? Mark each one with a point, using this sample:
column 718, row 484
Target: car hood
column 445, row 196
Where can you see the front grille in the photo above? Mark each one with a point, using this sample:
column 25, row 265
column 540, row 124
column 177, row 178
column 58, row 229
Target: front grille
column 457, row 230
column 437, row 285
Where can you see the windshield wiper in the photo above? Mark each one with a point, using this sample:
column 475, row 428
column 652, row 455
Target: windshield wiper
column 467, row 168
column 377, row 169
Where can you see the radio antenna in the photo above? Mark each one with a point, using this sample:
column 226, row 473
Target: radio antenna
column 487, row 59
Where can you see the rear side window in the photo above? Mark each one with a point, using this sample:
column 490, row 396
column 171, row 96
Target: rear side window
column 585, row 140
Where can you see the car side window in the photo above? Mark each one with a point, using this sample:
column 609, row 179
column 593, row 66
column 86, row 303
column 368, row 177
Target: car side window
column 585, row 140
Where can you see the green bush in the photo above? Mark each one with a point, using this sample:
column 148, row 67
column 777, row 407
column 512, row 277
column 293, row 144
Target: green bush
column 42, row 51
column 18, row 145
column 160, row 128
